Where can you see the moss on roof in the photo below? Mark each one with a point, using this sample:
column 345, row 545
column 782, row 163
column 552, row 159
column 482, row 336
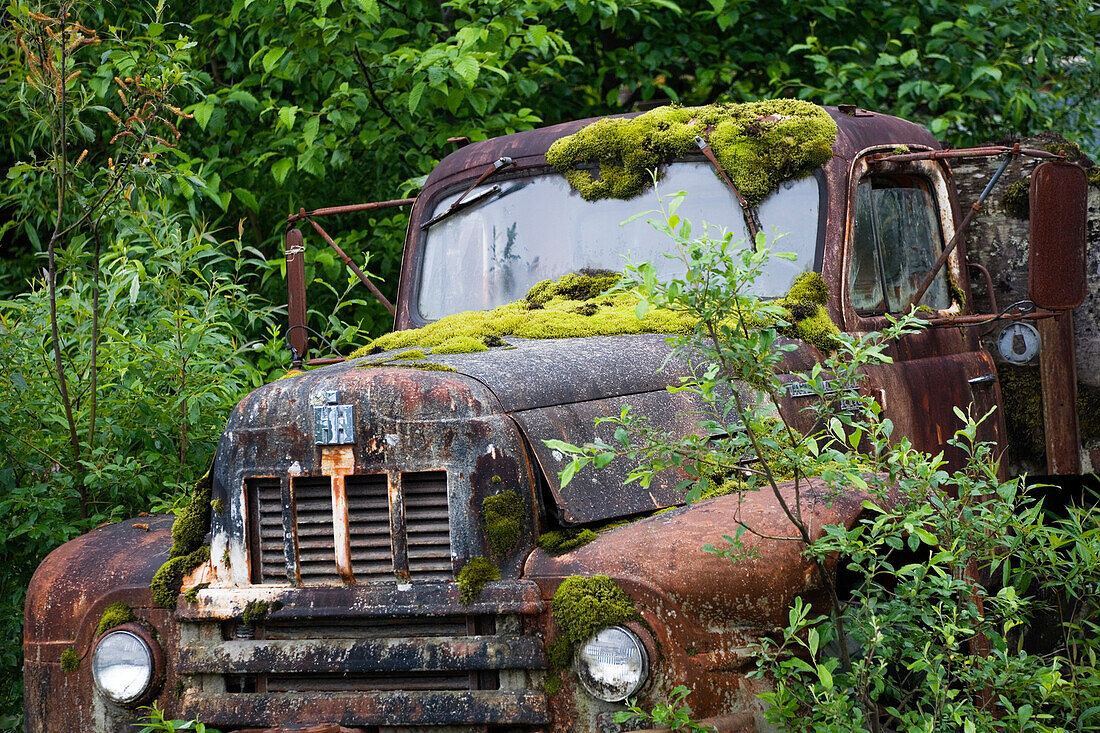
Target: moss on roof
column 758, row 144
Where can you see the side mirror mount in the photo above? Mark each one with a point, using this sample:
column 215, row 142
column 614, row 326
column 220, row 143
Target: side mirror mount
column 1058, row 203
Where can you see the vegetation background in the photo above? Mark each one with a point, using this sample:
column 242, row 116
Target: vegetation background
column 152, row 152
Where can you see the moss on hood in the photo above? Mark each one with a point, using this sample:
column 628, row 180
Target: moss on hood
column 549, row 311
column 758, row 144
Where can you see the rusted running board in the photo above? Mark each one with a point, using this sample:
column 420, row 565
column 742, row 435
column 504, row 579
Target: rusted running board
column 481, row 707
column 308, row 656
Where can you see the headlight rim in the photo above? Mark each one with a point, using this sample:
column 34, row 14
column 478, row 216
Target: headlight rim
column 156, row 655
column 643, row 650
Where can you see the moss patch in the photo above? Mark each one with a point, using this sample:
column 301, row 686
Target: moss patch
column 1017, row 199
column 805, row 304
column 218, row 506
column 255, row 611
column 552, row 685
column 1093, row 175
column 505, row 516
column 555, row 317
column 116, row 614
column 461, row 345
column 426, row 367
column 1022, row 397
column 559, row 654
column 190, row 528
column 584, row 605
column 70, row 660
column 559, row 542
column 758, row 144
column 168, row 580
column 473, row 577
column 192, row 593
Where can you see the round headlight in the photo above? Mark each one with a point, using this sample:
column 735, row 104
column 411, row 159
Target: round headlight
column 612, row 665
column 122, row 666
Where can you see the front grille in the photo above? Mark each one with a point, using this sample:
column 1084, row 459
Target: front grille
column 422, row 528
column 313, row 508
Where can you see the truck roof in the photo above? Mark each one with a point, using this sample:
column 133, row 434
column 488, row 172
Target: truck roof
column 857, row 130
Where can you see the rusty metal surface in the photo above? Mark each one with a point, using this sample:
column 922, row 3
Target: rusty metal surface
column 595, row 495
column 372, row 708
column 349, row 209
column 1058, row 373
column 1059, row 209
column 375, row 601
column 352, row 655
column 296, row 293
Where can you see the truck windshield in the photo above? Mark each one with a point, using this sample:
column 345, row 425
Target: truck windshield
column 539, row 228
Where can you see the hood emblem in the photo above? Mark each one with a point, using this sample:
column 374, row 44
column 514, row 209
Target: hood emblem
column 333, row 424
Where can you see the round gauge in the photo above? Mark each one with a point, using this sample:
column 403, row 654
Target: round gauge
column 1018, row 342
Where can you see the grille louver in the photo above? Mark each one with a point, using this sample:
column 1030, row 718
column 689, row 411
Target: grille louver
column 313, row 506
column 427, row 525
column 369, row 528
column 267, row 506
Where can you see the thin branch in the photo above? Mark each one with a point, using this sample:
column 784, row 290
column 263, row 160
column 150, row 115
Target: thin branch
column 370, row 89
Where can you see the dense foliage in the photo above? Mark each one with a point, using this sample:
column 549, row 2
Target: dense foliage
column 953, row 603
column 152, row 151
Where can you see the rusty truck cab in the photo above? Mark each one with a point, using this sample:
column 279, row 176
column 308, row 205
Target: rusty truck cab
column 345, row 502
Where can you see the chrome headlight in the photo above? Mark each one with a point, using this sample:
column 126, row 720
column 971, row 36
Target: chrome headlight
column 612, row 665
column 123, row 666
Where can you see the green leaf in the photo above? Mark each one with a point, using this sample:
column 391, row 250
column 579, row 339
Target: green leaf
column 467, row 68
column 940, row 27
column 309, row 130
column 247, row 198
column 567, row 473
column 909, row 57
column 272, row 57
column 415, row 94
column 287, row 115
column 281, row 169
column 154, row 30
column 202, row 112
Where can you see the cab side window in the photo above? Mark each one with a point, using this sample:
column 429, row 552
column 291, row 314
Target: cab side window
column 896, row 239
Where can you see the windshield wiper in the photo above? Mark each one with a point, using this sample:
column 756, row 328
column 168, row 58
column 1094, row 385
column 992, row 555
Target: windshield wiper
column 752, row 222
column 460, row 204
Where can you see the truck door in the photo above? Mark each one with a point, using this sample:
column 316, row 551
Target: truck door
column 899, row 219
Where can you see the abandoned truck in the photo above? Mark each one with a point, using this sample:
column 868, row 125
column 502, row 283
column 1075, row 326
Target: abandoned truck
column 322, row 575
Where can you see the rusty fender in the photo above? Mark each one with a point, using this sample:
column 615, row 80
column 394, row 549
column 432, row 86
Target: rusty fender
column 702, row 614
column 65, row 599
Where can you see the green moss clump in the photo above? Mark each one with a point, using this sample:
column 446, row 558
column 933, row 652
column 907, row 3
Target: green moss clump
column 116, row 614
column 1093, row 175
column 290, row 373
column 493, row 341
column 192, row 593
column 758, row 144
column 584, row 605
column 1022, row 398
column 809, row 287
column 552, row 686
column 1017, row 199
column 809, row 320
column 168, row 580
column 218, row 506
column 556, row 318
column 559, row 542
column 901, row 149
column 473, row 577
column 409, row 355
column 505, row 516
column 559, row 655
column 190, row 528
column 70, row 660
column 255, row 611
column 426, row 367
column 461, row 345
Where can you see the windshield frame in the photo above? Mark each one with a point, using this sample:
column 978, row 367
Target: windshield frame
column 434, row 197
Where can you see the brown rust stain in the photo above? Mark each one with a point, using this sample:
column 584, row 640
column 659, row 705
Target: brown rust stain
column 338, row 462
